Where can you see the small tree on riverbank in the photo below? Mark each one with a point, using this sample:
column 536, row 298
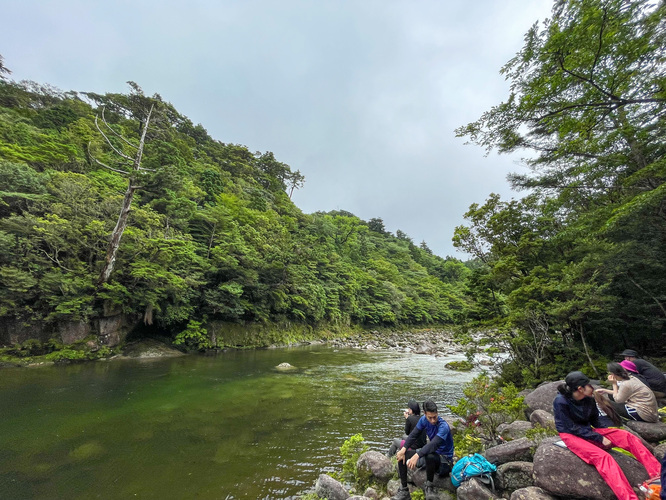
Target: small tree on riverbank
column 485, row 406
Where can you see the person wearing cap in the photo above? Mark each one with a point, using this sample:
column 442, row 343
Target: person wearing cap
column 577, row 422
column 653, row 376
column 633, row 371
column 412, row 415
column 632, row 399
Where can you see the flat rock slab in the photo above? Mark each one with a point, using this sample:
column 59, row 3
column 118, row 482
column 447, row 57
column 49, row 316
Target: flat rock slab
column 150, row 348
column 560, row 472
column 518, row 450
column 531, row 493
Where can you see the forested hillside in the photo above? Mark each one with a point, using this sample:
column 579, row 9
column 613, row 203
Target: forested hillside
column 211, row 234
column 572, row 272
column 579, row 264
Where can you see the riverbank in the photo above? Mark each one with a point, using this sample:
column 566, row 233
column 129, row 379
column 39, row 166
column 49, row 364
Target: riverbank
column 437, row 341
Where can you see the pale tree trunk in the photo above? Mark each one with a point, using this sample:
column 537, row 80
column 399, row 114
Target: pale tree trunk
column 117, row 233
column 587, row 352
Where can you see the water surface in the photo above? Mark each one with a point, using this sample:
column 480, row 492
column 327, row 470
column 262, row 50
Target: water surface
column 220, row 427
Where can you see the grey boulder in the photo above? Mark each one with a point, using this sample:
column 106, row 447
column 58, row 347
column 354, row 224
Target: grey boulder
column 514, row 430
column 474, row 489
column 374, row 466
column 650, row 432
column 513, row 476
column 327, row 487
column 418, row 477
column 542, row 418
column 542, row 397
column 518, row 450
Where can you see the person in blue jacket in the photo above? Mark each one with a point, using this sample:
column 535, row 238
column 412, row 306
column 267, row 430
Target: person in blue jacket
column 438, row 453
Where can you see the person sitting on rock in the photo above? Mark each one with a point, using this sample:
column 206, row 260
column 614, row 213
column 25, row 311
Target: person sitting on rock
column 631, row 398
column 577, row 422
column 655, row 379
column 438, row 452
column 412, row 415
column 663, row 477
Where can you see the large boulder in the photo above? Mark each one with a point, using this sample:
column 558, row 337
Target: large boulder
column 371, row 493
column 650, row 432
column 474, row 489
column 543, row 419
column 531, row 493
column 518, row 450
column 374, row 467
column 513, row 476
column 560, row 472
column 514, row 430
column 542, row 397
column 327, row 487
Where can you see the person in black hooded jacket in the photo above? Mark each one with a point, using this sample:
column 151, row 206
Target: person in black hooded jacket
column 412, row 415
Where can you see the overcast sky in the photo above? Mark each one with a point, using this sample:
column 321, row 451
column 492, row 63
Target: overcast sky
column 361, row 96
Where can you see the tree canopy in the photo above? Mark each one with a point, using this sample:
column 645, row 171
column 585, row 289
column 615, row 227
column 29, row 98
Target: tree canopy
column 211, row 233
column 583, row 254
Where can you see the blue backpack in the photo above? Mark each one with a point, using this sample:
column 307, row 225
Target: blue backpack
column 472, row 466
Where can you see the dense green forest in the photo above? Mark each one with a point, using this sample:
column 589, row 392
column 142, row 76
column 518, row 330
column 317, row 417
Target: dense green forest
column 211, row 235
column 564, row 276
column 579, row 263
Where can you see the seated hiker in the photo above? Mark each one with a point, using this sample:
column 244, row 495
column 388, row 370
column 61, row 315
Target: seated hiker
column 577, row 422
column 438, row 452
column 655, row 379
column 663, row 478
column 631, row 398
column 412, row 415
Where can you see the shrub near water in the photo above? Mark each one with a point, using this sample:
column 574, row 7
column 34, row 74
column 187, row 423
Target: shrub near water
column 484, row 407
column 350, row 450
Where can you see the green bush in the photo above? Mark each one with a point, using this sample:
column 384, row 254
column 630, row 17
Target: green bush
column 486, row 405
column 194, row 337
column 350, row 450
column 461, row 366
column 65, row 355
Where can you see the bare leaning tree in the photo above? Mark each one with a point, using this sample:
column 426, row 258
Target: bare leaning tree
column 132, row 169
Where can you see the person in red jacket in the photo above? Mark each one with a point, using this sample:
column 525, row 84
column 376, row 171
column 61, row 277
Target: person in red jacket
column 577, row 422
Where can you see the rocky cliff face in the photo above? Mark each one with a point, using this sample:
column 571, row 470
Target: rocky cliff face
column 111, row 330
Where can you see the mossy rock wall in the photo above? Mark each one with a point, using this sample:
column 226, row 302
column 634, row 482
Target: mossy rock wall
column 263, row 335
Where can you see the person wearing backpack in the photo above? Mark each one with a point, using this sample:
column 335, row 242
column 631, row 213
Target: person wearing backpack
column 438, row 452
column 577, row 422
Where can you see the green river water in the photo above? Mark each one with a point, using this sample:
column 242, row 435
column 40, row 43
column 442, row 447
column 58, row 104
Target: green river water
column 228, row 426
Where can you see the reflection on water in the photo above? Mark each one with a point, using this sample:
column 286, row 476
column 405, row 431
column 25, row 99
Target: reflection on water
column 226, row 426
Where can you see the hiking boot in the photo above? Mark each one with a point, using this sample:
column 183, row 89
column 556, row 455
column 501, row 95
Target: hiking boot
column 430, row 491
column 402, row 494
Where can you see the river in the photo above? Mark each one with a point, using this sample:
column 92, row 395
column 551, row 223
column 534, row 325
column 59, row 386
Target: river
column 227, row 426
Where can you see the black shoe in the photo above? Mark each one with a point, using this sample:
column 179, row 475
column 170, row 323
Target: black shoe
column 430, row 491
column 403, row 494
